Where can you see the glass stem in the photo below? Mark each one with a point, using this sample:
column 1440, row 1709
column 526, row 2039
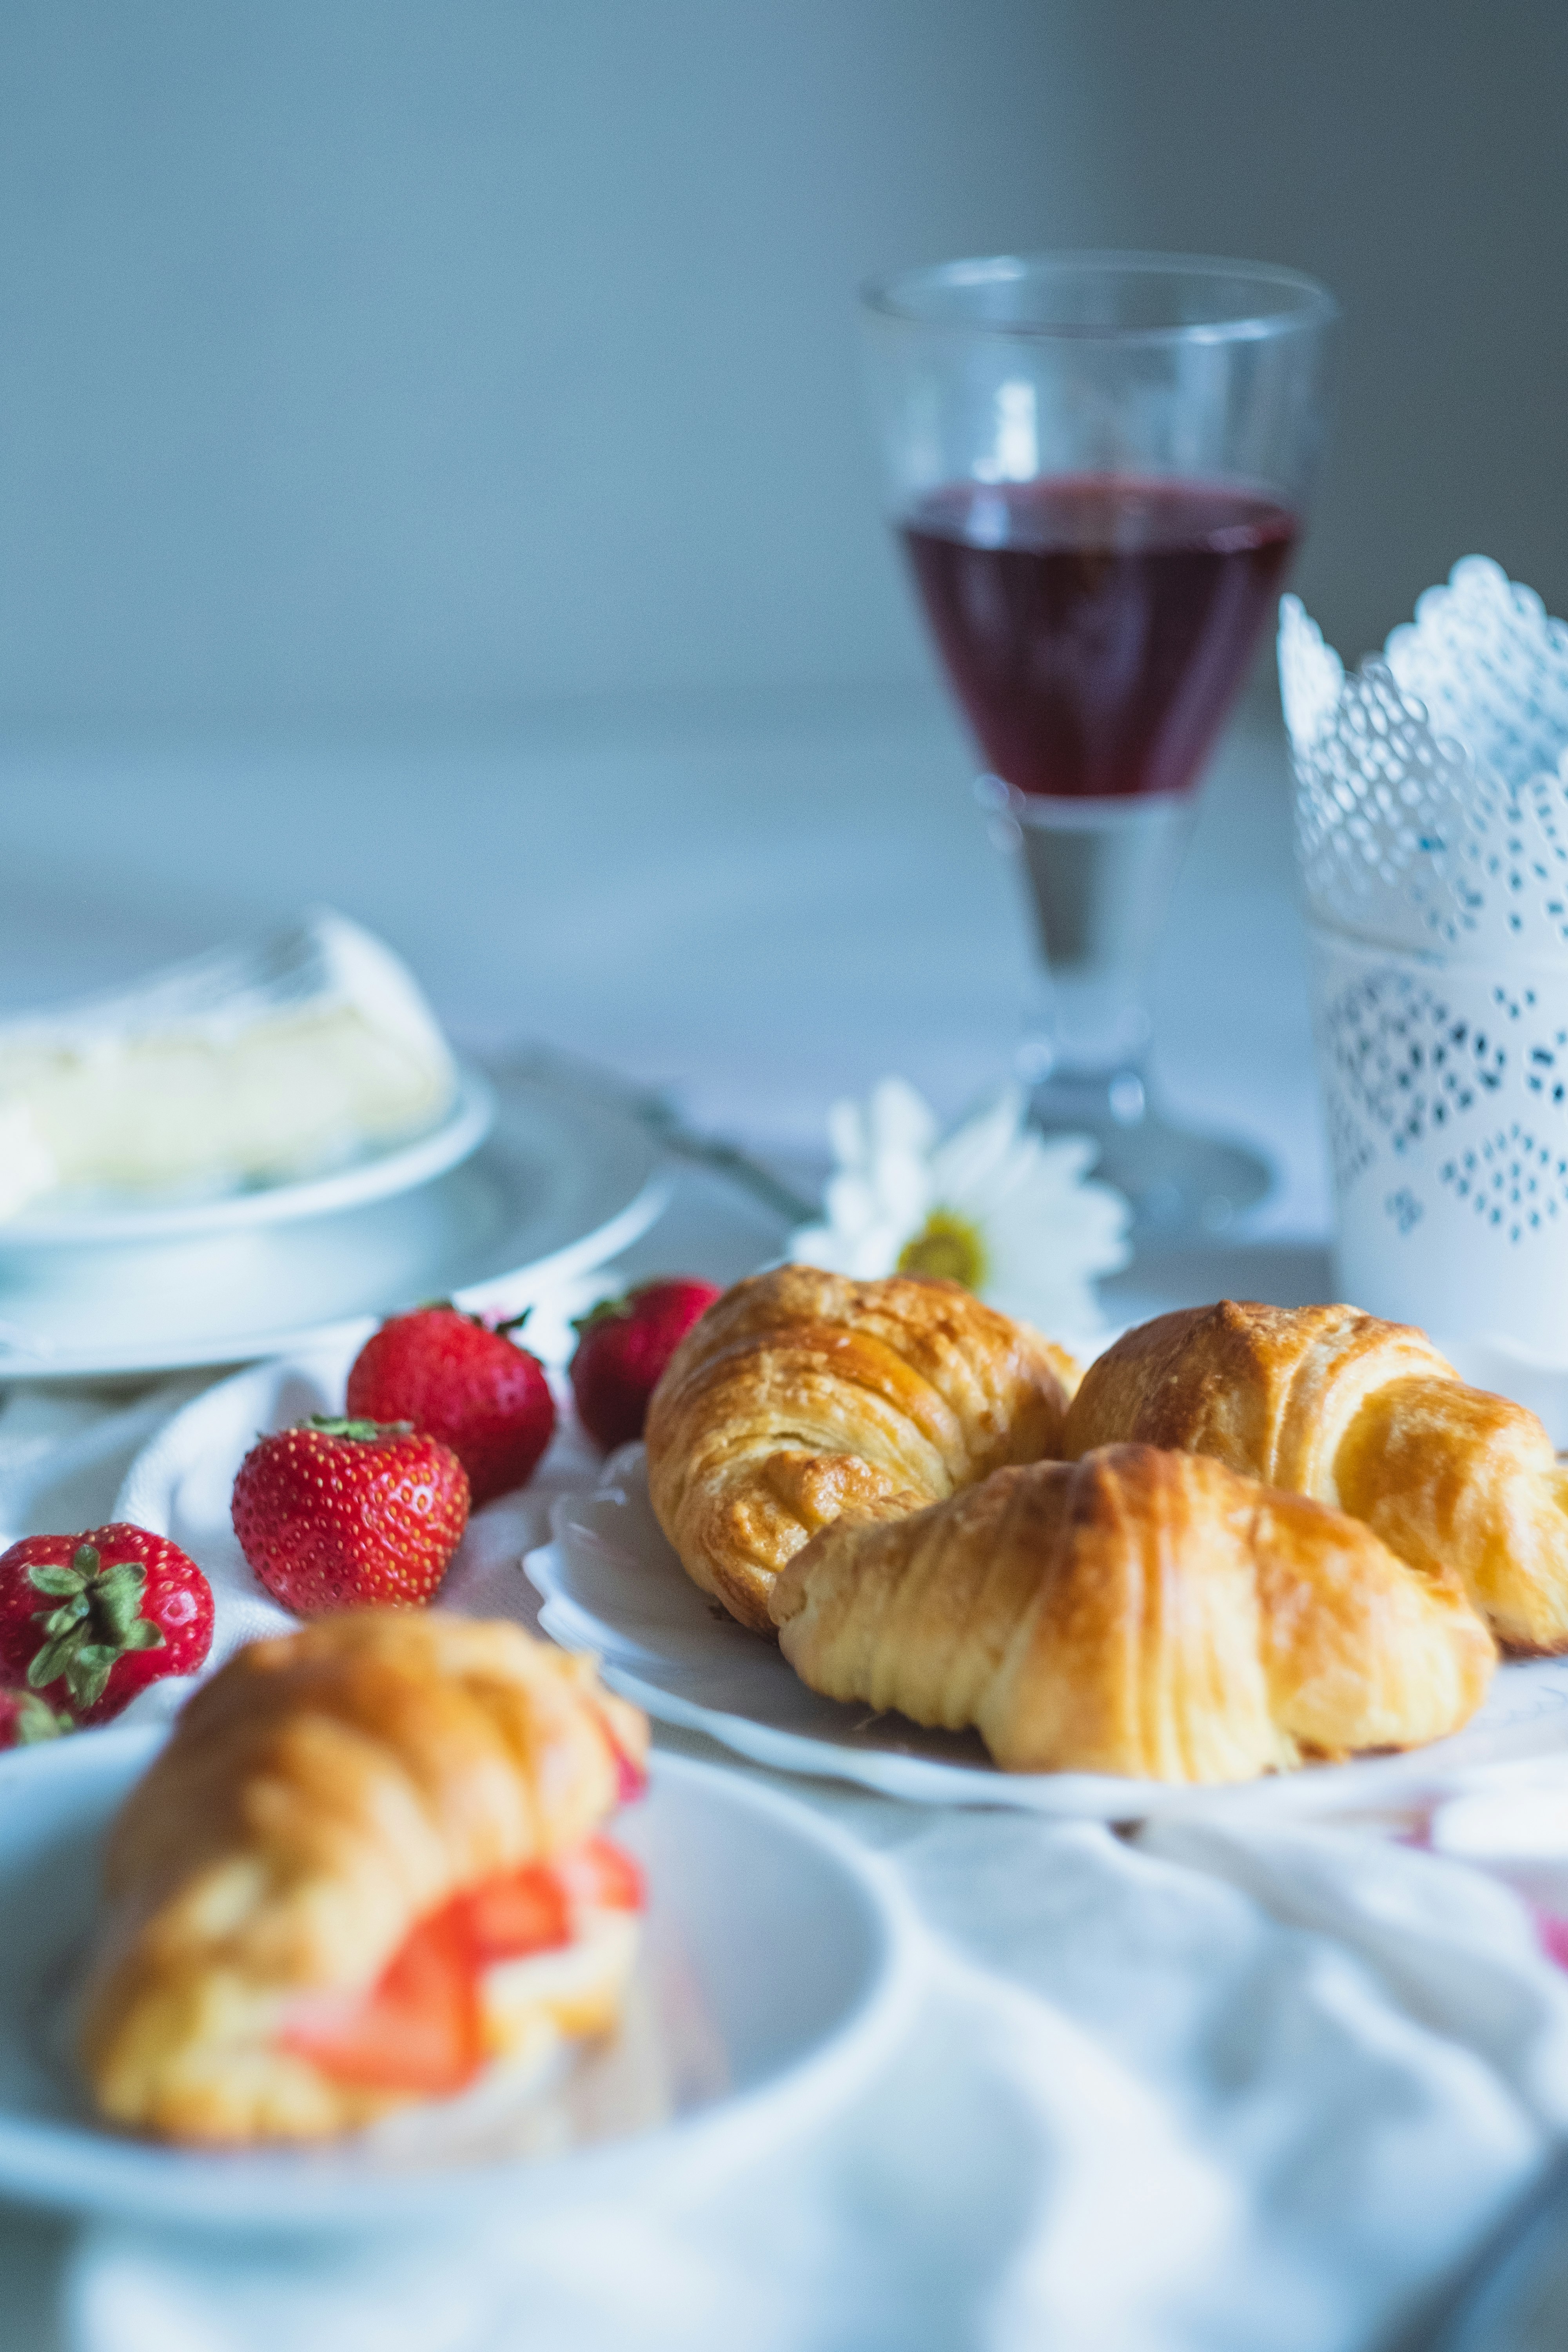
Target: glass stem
column 1098, row 876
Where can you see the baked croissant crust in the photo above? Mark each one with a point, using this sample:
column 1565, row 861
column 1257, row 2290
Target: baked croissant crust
column 802, row 1397
column 1365, row 1416
column 320, row 1797
column 1137, row 1613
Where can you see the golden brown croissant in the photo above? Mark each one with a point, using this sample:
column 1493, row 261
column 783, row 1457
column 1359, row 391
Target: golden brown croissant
column 1364, row 1414
column 802, row 1396
column 303, row 1929
column 1136, row 1613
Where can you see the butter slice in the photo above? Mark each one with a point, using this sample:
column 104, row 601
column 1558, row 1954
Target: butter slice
column 276, row 1058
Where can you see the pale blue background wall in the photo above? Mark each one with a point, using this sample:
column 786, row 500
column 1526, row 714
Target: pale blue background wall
column 367, row 357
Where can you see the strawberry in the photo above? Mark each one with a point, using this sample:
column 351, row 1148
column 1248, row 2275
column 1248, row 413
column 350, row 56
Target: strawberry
column 419, row 2029
column 603, row 1877
column 88, row 1620
column 534, row 1909
column 338, row 1513
column 529, row 1910
column 464, row 1381
column 24, row 1719
column 623, row 1345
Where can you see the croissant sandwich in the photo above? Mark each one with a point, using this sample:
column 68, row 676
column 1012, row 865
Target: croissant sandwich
column 367, row 1861
column 1137, row 1613
column 1364, row 1414
column 802, row 1396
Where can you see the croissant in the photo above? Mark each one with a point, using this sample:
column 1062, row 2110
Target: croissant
column 1137, row 1613
column 1364, row 1414
column 362, row 1864
column 802, row 1396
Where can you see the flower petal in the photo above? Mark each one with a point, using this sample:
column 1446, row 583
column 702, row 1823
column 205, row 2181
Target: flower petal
column 976, row 1151
column 847, row 1134
column 1042, row 1231
column 900, row 1119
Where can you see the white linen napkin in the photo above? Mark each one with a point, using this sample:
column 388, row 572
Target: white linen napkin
column 894, row 2227
column 65, row 1448
column 1153, row 2103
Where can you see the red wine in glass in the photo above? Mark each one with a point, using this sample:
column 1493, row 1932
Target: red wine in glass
column 1096, row 626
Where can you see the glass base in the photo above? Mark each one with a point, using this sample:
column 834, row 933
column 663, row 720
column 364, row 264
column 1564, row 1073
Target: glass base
column 1176, row 1183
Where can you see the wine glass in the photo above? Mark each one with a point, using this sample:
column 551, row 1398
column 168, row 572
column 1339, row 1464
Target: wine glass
column 1098, row 464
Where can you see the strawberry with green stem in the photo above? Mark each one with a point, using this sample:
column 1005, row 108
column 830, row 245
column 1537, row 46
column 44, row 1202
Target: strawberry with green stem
column 349, row 1514
column 88, row 1620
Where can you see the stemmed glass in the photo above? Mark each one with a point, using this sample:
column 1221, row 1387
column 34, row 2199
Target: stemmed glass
column 1100, row 465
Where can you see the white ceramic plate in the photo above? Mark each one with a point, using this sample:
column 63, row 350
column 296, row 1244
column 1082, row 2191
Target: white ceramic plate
column 376, row 1177
column 763, row 2027
column 611, row 1584
column 563, row 1183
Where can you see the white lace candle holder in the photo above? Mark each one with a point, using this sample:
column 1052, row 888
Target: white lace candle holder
column 1432, row 823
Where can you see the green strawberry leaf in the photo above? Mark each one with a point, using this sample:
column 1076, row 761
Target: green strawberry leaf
column 117, row 1599
column 98, row 1622
column 363, row 1432
column 51, row 1660
column 51, row 1622
column 603, row 1310
column 35, row 1721
column 89, row 1671
column 55, row 1582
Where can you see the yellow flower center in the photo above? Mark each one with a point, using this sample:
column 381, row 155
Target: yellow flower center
column 946, row 1245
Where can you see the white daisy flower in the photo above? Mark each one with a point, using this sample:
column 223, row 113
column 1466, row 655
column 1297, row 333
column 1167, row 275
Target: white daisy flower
column 993, row 1206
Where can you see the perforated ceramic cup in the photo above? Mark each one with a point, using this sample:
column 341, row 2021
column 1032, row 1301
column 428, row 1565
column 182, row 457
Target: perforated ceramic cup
column 1432, row 823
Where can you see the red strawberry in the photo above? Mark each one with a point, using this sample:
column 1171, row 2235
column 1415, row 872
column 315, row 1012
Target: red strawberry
column 465, row 1382
column 338, row 1513
column 89, row 1621
column 418, row 2028
column 526, row 1910
column 624, row 1345
column 601, row 1875
column 24, row 1719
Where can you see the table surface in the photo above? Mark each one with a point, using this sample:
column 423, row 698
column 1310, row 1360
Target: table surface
column 761, row 907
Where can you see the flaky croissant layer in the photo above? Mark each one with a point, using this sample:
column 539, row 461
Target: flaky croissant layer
column 1366, row 1415
column 1138, row 1612
column 802, row 1397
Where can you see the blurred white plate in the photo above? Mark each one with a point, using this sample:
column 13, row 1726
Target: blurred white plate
column 563, row 1183
column 611, row 1584
column 765, row 2027
column 126, row 1219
